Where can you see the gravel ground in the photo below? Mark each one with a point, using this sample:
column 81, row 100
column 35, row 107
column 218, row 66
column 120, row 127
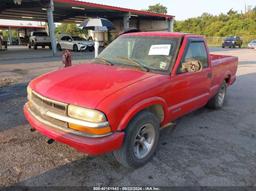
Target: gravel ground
column 207, row 148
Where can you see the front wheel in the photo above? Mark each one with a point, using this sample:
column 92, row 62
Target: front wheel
column 141, row 140
column 218, row 100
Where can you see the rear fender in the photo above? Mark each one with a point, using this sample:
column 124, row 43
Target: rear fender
column 146, row 103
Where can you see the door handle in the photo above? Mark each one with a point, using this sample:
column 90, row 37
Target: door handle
column 209, row 75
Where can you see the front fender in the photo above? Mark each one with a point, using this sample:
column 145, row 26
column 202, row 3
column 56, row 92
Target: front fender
column 141, row 106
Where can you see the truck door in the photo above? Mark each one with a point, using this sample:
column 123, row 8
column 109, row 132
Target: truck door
column 190, row 90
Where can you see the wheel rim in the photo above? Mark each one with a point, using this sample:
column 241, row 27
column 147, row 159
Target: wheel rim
column 144, row 141
column 221, row 95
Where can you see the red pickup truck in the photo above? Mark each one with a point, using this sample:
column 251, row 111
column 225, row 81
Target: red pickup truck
column 118, row 102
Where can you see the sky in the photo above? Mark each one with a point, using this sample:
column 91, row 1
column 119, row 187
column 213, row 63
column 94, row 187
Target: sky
column 183, row 9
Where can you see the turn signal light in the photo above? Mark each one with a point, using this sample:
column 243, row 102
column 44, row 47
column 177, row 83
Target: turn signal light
column 93, row 131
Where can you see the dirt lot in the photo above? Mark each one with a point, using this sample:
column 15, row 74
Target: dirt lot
column 207, row 148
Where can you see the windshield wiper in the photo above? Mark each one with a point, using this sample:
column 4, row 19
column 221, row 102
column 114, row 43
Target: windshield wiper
column 135, row 62
column 105, row 61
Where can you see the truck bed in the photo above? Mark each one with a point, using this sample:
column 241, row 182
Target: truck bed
column 223, row 66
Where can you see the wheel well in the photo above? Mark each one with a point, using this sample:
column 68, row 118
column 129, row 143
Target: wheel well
column 227, row 79
column 157, row 110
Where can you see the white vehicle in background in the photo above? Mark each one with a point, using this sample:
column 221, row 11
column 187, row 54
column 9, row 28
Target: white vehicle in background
column 39, row 38
column 75, row 43
column 252, row 44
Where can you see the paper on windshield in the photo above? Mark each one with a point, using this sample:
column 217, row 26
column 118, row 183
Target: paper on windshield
column 160, row 49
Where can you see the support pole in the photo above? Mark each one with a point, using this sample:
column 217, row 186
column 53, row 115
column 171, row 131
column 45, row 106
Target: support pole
column 51, row 27
column 126, row 21
column 10, row 35
column 170, row 23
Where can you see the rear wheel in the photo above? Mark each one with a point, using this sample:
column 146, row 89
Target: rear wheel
column 141, row 140
column 218, row 100
column 59, row 47
column 35, row 46
column 75, row 48
column 91, row 48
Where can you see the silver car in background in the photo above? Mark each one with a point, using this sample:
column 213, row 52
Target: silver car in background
column 75, row 43
column 252, row 44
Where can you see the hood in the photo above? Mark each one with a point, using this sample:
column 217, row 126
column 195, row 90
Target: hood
column 86, row 84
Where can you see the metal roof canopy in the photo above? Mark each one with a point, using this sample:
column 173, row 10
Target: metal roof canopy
column 69, row 11
column 21, row 27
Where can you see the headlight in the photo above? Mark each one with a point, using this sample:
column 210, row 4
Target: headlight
column 29, row 93
column 86, row 114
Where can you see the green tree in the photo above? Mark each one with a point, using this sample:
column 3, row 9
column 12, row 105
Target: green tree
column 69, row 28
column 157, row 8
column 231, row 23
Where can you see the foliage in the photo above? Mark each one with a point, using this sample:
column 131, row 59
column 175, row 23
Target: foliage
column 230, row 24
column 157, row 8
column 69, row 28
column 6, row 34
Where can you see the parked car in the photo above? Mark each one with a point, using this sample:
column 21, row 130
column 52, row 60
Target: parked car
column 39, row 39
column 75, row 43
column 140, row 83
column 252, row 44
column 232, row 42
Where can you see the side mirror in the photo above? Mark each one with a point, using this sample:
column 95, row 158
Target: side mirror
column 192, row 65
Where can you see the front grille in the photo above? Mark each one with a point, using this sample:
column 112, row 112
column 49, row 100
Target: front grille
column 39, row 105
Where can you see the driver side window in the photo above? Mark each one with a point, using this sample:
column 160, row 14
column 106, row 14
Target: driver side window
column 195, row 52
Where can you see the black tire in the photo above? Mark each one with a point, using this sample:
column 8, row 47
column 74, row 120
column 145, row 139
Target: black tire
column 43, row 46
column 91, row 49
column 59, row 47
column 75, row 48
column 218, row 100
column 29, row 46
column 35, row 46
column 134, row 140
column 223, row 46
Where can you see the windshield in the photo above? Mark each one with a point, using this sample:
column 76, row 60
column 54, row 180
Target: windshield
column 152, row 53
column 230, row 38
column 77, row 38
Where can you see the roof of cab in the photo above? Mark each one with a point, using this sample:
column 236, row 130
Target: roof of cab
column 163, row 34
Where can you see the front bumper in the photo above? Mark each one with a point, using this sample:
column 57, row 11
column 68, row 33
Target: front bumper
column 91, row 146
